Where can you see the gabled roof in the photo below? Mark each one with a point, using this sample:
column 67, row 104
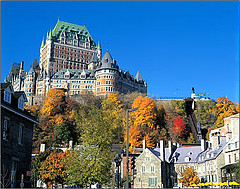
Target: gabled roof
column 4, row 86
column 74, row 74
column 20, row 93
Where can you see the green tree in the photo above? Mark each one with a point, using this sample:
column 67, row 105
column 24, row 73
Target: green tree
column 96, row 137
column 204, row 113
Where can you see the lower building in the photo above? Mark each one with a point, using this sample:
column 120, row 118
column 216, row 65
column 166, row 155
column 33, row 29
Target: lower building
column 16, row 138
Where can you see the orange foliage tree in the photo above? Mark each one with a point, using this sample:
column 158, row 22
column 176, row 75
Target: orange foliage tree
column 142, row 123
column 53, row 169
column 189, row 177
column 54, row 102
column 223, row 108
column 145, row 115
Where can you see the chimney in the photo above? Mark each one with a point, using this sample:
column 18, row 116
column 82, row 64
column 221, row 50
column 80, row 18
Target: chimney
column 70, row 144
column 21, row 65
column 170, row 147
column 144, row 144
column 162, row 150
column 42, row 147
column 203, row 145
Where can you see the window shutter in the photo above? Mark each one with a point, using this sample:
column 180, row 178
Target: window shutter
column 155, row 181
column 149, row 180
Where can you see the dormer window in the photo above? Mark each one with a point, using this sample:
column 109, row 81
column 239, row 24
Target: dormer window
column 21, row 103
column 187, row 159
column 7, row 96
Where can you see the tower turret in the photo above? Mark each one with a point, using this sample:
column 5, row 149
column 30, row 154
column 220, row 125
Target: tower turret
column 106, row 75
column 99, row 50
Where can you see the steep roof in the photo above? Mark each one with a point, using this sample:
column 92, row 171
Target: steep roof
column 138, row 76
column 34, row 66
column 17, row 94
column 94, row 58
column 70, row 28
column 4, row 86
column 156, row 152
column 107, row 61
column 13, row 72
column 181, row 153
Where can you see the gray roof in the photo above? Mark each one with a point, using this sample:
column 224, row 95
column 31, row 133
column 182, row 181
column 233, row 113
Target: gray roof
column 13, row 72
column 17, row 94
column 181, row 153
column 213, row 152
column 74, row 74
column 138, row 76
column 4, row 85
column 94, row 58
column 107, row 61
column 156, row 152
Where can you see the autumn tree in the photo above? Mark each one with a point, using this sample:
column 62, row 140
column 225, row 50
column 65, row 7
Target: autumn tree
column 145, row 115
column 54, row 102
column 142, row 123
column 113, row 113
column 179, row 127
column 223, row 108
column 53, row 169
column 189, row 177
column 36, row 164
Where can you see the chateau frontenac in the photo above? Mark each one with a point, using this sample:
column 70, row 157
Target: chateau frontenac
column 71, row 60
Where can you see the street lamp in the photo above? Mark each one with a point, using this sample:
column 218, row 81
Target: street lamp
column 118, row 160
column 128, row 145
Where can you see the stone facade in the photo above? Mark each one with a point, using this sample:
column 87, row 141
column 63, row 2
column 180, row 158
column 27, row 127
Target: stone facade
column 16, row 138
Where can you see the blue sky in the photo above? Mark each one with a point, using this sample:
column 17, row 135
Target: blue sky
column 174, row 45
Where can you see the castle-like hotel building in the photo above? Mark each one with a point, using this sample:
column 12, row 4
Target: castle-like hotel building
column 71, row 60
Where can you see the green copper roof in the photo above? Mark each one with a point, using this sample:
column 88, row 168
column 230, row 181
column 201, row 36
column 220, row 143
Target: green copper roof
column 99, row 45
column 68, row 27
column 42, row 45
column 50, row 35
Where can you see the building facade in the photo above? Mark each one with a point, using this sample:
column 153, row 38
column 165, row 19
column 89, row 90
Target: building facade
column 71, row 60
column 214, row 160
column 16, row 137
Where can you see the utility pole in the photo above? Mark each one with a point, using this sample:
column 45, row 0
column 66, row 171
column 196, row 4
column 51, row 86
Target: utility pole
column 128, row 145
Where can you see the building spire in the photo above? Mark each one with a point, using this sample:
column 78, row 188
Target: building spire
column 58, row 18
column 50, row 34
column 99, row 45
column 42, row 43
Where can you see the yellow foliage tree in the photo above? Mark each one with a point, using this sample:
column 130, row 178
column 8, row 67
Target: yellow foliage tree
column 223, row 108
column 146, row 112
column 149, row 141
column 113, row 114
column 135, row 137
column 189, row 177
column 54, row 102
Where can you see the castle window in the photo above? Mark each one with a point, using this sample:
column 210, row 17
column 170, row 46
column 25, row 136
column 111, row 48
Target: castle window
column 108, row 82
column 147, row 159
column 229, row 158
